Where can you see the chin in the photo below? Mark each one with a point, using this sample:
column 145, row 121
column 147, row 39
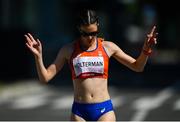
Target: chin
column 88, row 42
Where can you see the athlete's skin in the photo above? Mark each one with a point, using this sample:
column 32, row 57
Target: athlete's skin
column 90, row 90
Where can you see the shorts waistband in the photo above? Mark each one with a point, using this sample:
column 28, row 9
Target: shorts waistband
column 93, row 105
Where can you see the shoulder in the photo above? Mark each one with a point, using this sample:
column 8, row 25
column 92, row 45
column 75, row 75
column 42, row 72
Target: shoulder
column 107, row 43
column 111, row 47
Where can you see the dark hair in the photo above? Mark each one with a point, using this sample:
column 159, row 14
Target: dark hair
column 86, row 17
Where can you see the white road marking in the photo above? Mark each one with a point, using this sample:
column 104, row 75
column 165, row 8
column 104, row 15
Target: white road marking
column 29, row 102
column 10, row 92
column 145, row 104
column 118, row 101
column 63, row 102
column 177, row 105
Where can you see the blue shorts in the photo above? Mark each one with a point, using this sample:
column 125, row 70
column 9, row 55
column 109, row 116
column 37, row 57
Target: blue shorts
column 91, row 111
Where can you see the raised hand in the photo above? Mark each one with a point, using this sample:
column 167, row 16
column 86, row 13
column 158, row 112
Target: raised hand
column 150, row 41
column 34, row 45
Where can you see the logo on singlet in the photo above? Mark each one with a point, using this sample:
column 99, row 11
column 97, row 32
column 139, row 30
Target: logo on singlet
column 99, row 53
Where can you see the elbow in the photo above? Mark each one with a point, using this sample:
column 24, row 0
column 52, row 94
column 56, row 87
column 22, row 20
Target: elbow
column 43, row 80
column 139, row 70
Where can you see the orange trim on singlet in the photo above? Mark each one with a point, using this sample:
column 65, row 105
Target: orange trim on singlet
column 89, row 64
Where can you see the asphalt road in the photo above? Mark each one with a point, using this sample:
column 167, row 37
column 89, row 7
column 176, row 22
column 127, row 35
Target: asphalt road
column 30, row 101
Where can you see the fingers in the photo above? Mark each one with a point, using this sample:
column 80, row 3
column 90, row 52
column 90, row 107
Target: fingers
column 39, row 43
column 152, row 33
column 29, row 41
column 30, row 38
column 29, row 46
column 155, row 42
column 153, row 30
column 152, row 37
column 152, row 41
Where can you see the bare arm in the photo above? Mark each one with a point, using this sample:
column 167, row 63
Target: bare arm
column 45, row 74
column 132, row 63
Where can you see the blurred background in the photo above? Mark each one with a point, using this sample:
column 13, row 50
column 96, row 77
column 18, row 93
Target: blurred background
column 150, row 95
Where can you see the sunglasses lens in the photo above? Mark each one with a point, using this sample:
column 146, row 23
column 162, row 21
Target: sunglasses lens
column 94, row 33
column 89, row 34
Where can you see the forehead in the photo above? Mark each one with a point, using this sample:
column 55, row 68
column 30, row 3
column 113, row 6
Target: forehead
column 89, row 28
